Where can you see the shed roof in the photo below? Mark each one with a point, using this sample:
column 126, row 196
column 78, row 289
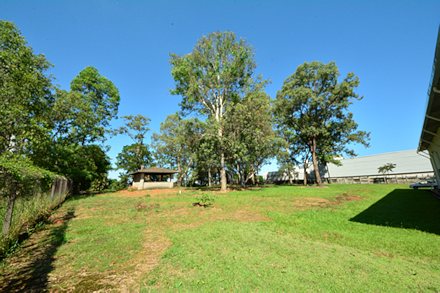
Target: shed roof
column 155, row 170
column 432, row 116
column 406, row 162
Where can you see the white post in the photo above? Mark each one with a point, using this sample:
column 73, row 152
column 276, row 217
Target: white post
column 141, row 185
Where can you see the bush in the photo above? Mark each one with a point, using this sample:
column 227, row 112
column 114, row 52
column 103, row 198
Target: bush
column 205, row 200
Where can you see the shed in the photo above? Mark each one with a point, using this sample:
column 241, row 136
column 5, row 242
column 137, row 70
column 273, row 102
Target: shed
column 147, row 178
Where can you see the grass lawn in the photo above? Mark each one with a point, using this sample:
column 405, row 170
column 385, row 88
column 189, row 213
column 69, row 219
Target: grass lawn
column 337, row 238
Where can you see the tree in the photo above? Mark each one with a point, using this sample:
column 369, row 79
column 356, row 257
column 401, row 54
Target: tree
column 25, row 92
column 214, row 75
column 133, row 156
column 206, row 162
column 249, row 137
column 83, row 114
column 385, row 169
column 80, row 118
column 286, row 160
column 136, row 127
column 313, row 105
column 177, row 143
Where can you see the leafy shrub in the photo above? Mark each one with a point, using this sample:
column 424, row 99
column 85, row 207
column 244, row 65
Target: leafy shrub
column 205, row 200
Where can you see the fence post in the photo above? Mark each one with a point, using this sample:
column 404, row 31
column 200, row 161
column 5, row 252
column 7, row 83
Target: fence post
column 9, row 210
column 52, row 192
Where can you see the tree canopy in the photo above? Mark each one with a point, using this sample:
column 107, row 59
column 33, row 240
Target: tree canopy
column 313, row 106
column 177, row 143
column 217, row 73
column 25, row 91
column 137, row 154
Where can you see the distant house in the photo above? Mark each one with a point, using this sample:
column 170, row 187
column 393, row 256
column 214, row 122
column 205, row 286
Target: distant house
column 410, row 167
column 148, row 178
column 430, row 137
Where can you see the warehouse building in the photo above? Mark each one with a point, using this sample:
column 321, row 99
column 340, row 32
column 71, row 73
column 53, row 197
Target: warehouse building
column 410, row 167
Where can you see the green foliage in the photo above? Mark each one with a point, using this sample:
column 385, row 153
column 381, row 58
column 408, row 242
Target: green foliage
column 205, row 200
column 311, row 111
column 249, row 139
column 133, row 156
column 20, row 172
column 25, row 91
column 116, row 185
column 177, row 143
column 219, row 68
column 136, row 127
column 24, row 197
column 83, row 115
column 214, row 76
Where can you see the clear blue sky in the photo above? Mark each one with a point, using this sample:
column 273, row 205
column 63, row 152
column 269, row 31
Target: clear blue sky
column 388, row 44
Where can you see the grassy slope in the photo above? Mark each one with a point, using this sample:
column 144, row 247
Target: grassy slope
column 312, row 249
column 273, row 239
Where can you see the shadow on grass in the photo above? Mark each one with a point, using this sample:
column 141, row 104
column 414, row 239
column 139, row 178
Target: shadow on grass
column 29, row 271
column 404, row 208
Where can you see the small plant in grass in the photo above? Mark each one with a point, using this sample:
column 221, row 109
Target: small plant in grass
column 205, row 200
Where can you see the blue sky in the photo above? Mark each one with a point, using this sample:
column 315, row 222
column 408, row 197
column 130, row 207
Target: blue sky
column 388, row 44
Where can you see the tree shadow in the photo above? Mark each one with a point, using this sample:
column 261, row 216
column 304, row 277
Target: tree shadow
column 404, row 208
column 29, row 270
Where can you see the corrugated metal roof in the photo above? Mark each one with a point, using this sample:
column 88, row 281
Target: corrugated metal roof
column 406, row 162
column 432, row 116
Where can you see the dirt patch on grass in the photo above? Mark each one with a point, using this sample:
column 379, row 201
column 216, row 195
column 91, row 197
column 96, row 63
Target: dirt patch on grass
column 308, row 202
column 144, row 192
column 347, row 197
column 189, row 218
column 155, row 245
column 311, row 202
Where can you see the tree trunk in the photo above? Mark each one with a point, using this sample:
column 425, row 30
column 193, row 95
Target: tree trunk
column 223, row 172
column 209, row 177
column 328, row 172
column 9, row 211
column 241, row 180
column 315, row 163
column 223, row 182
column 218, row 112
column 289, row 174
column 305, row 172
column 180, row 176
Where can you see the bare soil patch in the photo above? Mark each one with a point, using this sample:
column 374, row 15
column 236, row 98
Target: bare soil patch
column 144, row 192
column 310, row 202
column 155, row 245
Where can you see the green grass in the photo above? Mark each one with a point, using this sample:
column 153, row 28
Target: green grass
column 366, row 238
column 27, row 211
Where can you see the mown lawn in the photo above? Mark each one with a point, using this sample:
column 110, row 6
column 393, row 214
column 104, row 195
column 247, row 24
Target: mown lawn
column 337, row 238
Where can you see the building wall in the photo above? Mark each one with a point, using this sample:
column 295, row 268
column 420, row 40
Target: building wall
column 396, row 178
column 434, row 153
column 410, row 167
column 151, row 185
